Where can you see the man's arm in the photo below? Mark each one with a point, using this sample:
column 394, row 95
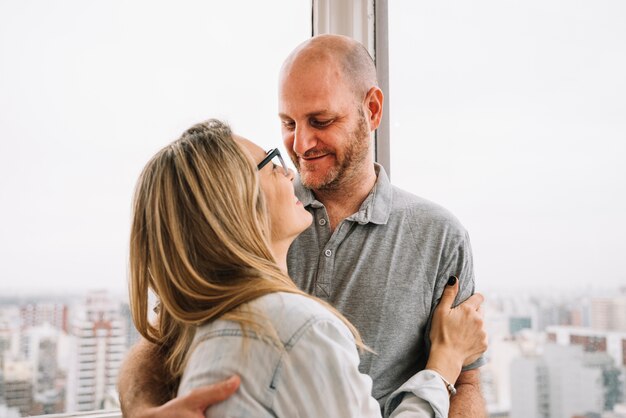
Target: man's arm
column 142, row 379
column 144, row 392
column 468, row 401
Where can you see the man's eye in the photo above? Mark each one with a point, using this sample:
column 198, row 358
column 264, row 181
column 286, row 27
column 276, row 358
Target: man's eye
column 321, row 123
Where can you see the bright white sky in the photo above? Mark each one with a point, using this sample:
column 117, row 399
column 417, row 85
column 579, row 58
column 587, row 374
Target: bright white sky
column 511, row 114
column 90, row 90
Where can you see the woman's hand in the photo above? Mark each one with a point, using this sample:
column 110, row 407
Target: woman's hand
column 457, row 335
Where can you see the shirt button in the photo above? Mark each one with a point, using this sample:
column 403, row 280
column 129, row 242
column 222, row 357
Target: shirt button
column 328, row 253
column 322, row 222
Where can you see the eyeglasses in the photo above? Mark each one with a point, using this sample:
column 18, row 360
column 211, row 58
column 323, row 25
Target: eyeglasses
column 270, row 156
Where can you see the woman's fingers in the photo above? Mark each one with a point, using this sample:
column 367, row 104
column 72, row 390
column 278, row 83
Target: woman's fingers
column 449, row 293
column 475, row 301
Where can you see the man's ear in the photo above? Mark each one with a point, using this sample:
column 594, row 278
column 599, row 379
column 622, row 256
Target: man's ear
column 374, row 103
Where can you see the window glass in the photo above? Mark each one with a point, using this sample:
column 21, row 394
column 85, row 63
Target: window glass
column 511, row 115
column 89, row 91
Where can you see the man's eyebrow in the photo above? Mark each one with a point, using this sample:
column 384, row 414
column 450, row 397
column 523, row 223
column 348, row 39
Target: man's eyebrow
column 322, row 112
column 308, row 115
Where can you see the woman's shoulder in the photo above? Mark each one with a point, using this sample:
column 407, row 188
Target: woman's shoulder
column 317, row 351
column 279, row 303
column 290, row 315
column 293, row 314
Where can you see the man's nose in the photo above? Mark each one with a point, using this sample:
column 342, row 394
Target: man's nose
column 304, row 139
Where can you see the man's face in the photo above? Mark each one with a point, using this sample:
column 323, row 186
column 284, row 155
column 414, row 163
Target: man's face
column 324, row 126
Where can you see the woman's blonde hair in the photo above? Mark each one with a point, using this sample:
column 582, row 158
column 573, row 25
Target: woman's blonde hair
column 200, row 241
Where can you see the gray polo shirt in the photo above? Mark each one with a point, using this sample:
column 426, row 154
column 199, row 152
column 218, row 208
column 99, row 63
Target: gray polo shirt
column 384, row 268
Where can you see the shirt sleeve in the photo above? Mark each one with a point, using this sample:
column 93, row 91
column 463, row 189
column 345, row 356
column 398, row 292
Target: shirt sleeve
column 458, row 262
column 422, row 396
column 321, row 375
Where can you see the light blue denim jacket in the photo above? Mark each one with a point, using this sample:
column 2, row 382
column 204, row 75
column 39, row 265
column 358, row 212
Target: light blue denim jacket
column 312, row 372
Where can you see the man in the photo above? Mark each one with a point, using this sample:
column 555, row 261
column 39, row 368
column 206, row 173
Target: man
column 379, row 254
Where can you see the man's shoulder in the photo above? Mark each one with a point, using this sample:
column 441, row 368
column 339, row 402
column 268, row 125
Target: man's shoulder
column 422, row 212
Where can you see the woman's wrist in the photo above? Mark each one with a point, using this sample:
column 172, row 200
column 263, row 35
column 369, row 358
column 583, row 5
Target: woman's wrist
column 445, row 363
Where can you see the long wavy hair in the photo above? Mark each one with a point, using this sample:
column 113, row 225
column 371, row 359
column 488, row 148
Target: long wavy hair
column 200, row 241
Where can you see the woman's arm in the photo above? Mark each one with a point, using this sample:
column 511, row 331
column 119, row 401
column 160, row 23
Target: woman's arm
column 320, row 376
column 458, row 339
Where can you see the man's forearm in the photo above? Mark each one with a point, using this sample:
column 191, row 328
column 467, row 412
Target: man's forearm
column 142, row 380
column 468, row 401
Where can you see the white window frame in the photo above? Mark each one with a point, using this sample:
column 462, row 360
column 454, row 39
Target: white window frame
column 367, row 22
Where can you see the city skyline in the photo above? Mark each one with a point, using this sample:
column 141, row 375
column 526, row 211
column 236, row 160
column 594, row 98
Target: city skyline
column 526, row 333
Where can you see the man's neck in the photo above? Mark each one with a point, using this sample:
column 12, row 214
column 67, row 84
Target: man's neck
column 347, row 199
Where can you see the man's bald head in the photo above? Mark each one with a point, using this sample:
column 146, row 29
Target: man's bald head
column 351, row 59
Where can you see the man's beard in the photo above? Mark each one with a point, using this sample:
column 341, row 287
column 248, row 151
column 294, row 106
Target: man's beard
column 356, row 152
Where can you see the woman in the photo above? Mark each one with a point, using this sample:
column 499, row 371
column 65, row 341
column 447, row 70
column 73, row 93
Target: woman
column 213, row 220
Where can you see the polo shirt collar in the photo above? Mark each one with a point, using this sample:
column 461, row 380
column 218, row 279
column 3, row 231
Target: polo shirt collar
column 305, row 195
column 375, row 208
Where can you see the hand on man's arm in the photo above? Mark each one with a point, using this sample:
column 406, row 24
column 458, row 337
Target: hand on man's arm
column 468, row 401
column 457, row 340
column 471, row 339
column 145, row 394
